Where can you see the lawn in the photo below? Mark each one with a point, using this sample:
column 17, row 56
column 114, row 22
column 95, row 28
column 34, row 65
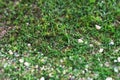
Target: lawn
column 59, row 40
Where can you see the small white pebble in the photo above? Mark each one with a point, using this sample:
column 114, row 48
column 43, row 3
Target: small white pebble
column 118, row 59
column 107, row 64
column 52, row 69
column 101, row 65
column 10, row 52
column 80, row 41
column 82, row 78
column 42, row 68
column 116, row 69
column 32, row 70
column 27, row 23
column 16, row 54
column 71, row 77
column 96, row 75
column 51, row 75
column 87, row 66
column 98, row 59
column 89, row 78
column 111, row 43
column 21, row 60
column 86, row 70
column 83, row 72
column 101, row 50
column 86, row 42
column 98, row 27
column 5, row 65
column 108, row 78
column 43, row 60
column 42, row 78
column 26, row 64
column 91, row 45
column 116, row 50
column 115, row 60
column 61, row 60
column 36, row 66
column 29, row 45
column 64, row 71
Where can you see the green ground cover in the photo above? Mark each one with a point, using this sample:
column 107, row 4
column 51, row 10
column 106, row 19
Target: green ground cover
column 60, row 40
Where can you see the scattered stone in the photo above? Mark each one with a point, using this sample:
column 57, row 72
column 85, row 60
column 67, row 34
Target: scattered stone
column 116, row 69
column 5, row 65
column 27, row 24
column 16, row 54
column 10, row 52
column 36, row 66
column 89, row 78
column 86, row 42
column 118, row 59
column 107, row 64
column 115, row 61
column 29, row 45
column 98, row 27
column 108, row 78
column 42, row 78
column 91, row 45
column 80, row 41
column 27, row 64
column 111, row 43
column 21, row 60
column 83, row 71
column 71, row 77
column 101, row 50
column 82, row 79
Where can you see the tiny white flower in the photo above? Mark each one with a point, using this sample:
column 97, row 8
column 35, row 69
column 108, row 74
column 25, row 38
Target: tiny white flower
column 101, row 50
column 21, row 60
column 10, row 52
column 111, row 43
column 42, row 78
column 118, row 59
column 116, row 69
column 108, row 78
column 80, row 41
column 98, row 27
column 26, row 64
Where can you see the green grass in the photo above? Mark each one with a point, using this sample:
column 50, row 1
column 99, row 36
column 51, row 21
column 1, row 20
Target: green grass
column 45, row 34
